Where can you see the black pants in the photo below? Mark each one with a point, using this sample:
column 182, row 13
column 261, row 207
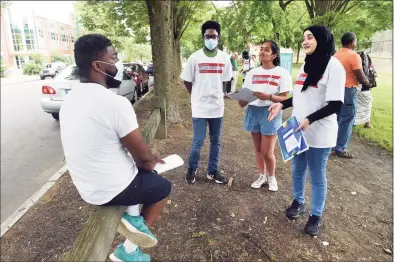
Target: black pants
column 146, row 188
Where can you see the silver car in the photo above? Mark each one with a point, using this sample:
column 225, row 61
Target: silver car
column 51, row 70
column 54, row 92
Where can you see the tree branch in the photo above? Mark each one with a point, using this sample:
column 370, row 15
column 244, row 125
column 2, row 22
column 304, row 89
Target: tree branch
column 283, row 4
column 310, row 9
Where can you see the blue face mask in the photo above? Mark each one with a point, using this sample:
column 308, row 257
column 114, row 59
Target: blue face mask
column 211, row 43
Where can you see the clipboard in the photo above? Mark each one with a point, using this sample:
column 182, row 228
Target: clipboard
column 243, row 94
column 291, row 143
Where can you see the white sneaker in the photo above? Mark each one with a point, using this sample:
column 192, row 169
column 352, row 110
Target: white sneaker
column 260, row 181
column 272, row 184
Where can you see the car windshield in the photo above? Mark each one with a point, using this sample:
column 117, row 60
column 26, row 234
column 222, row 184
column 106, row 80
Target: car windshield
column 69, row 73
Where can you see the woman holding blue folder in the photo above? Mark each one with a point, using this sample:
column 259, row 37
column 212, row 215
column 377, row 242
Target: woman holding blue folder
column 317, row 97
column 270, row 83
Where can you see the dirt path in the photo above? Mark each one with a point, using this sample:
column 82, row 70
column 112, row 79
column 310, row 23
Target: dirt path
column 210, row 222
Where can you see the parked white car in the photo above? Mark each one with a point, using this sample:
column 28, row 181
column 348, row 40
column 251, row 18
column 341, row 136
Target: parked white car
column 54, row 91
column 51, row 70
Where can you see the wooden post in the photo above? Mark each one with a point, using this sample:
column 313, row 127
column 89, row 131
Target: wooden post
column 97, row 235
column 158, row 102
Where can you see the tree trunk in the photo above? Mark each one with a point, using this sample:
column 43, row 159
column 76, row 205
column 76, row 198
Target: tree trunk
column 163, row 55
column 298, row 51
column 178, row 64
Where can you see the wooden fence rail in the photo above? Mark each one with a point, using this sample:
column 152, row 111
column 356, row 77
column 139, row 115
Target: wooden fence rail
column 94, row 240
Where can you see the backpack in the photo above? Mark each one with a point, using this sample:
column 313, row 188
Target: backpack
column 368, row 69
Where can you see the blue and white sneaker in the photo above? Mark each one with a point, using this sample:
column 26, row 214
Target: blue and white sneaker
column 120, row 255
column 134, row 228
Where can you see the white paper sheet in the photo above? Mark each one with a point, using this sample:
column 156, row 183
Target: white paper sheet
column 291, row 143
column 244, row 94
column 172, row 161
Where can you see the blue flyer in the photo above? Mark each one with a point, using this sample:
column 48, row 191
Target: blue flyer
column 291, row 143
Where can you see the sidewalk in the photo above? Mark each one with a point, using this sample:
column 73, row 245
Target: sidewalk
column 15, row 78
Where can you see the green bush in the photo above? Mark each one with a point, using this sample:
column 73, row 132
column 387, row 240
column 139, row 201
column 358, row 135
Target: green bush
column 38, row 59
column 59, row 57
column 31, row 69
column 3, row 69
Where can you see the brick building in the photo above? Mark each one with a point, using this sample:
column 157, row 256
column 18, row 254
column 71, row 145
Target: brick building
column 23, row 33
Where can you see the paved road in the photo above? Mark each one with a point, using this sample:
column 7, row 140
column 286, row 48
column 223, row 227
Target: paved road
column 31, row 150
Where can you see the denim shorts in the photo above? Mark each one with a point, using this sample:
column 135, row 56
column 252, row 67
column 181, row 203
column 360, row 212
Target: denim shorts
column 256, row 121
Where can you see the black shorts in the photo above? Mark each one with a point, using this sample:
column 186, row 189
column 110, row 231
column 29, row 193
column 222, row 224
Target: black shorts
column 147, row 188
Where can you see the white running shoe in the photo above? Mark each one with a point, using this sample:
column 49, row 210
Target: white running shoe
column 260, row 181
column 272, row 184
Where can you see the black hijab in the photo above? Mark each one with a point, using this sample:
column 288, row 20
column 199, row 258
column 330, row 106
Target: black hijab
column 316, row 63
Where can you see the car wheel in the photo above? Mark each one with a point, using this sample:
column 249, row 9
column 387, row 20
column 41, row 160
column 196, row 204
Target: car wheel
column 55, row 116
column 42, row 77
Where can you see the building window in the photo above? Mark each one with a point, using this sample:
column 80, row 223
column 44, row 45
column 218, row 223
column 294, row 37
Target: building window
column 30, row 37
column 53, row 35
column 40, row 30
column 16, row 32
column 17, row 38
column 63, row 34
column 20, row 61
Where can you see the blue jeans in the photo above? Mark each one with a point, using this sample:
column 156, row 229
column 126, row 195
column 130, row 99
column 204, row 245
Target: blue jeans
column 346, row 119
column 315, row 159
column 199, row 133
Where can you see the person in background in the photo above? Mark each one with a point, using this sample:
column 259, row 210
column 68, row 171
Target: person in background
column 256, row 64
column 205, row 75
column 271, row 83
column 351, row 61
column 108, row 159
column 247, row 64
column 364, row 93
column 234, row 64
column 317, row 97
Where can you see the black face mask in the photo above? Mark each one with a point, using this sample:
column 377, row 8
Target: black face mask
column 111, row 81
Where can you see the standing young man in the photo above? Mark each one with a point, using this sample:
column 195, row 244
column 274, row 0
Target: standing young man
column 109, row 162
column 351, row 61
column 234, row 64
column 205, row 75
column 247, row 64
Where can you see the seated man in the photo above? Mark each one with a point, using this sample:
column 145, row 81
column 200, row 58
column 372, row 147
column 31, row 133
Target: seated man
column 108, row 159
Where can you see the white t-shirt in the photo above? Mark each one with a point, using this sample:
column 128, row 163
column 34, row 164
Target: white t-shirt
column 207, row 75
column 331, row 87
column 247, row 64
column 273, row 81
column 92, row 121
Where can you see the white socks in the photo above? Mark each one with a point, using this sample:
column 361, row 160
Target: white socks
column 133, row 210
column 129, row 246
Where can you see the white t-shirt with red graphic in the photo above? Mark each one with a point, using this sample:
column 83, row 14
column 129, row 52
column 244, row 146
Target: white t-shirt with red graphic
column 207, row 75
column 247, row 64
column 331, row 87
column 274, row 81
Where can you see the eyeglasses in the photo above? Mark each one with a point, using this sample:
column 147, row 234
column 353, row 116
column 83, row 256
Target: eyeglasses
column 211, row 37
